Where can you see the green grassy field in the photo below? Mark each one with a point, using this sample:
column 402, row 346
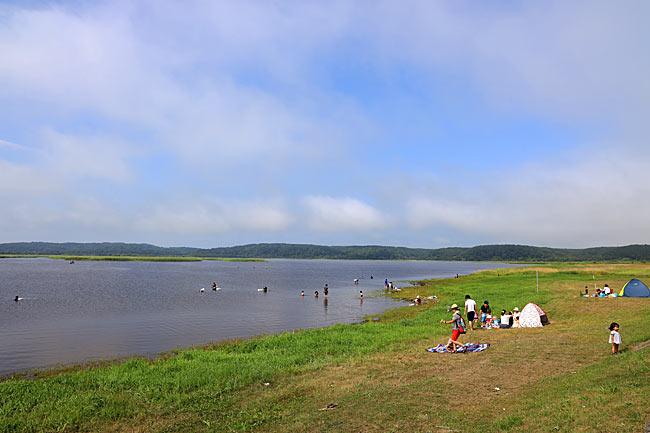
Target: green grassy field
column 130, row 258
column 557, row 378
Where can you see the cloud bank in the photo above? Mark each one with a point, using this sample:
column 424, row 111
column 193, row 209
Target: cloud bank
column 418, row 123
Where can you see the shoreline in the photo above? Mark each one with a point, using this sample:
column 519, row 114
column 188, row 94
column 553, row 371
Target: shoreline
column 93, row 364
column 377, row 371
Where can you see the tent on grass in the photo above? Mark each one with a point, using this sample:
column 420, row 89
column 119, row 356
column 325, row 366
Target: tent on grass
column 532, row 316
column 635, row 289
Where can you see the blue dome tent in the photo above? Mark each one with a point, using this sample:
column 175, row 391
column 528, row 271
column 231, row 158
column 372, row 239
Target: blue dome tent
column 635, row 289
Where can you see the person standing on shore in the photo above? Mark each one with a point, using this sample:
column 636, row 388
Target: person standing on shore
column 470, row 311
column 455, row 328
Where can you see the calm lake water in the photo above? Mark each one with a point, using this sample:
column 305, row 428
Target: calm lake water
column 96, row 310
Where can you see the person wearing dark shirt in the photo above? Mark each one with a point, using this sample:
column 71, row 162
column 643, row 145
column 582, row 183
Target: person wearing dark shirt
column 485, row 310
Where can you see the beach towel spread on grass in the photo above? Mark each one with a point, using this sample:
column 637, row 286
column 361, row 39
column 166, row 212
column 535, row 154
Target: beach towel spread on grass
column 470, row 347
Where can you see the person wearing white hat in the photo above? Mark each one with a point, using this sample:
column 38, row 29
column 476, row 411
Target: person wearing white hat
column 515, row 317
column 455, row 329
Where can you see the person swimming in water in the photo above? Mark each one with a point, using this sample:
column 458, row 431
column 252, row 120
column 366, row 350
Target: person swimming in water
column 302, row 293
column 316, row 294
column 16, row 298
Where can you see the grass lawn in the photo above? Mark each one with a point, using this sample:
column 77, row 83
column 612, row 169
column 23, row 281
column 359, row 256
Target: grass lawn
column 560, row 378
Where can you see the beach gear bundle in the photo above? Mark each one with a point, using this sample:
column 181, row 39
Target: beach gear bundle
column 532, row 316
column 469, row 347
column 635, row 289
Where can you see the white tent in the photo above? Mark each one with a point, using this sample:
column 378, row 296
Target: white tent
column 532, row 316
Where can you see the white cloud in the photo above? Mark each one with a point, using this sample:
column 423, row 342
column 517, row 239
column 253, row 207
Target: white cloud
column 86, row 157
column 237, row 96
column 208, row 216
column 598, row 199
column 330, row 214
column 12, row 145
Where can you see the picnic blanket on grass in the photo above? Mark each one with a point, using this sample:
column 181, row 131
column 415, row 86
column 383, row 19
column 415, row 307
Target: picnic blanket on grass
column 470, row 347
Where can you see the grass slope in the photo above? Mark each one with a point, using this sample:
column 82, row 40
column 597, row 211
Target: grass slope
column 558, row 378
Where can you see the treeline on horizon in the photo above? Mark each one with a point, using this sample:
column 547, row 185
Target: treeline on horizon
column 510, row 253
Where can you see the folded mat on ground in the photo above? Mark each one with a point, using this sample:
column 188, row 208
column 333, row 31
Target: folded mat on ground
column 469, row 347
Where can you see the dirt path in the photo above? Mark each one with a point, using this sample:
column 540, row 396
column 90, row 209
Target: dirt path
column 642, row 346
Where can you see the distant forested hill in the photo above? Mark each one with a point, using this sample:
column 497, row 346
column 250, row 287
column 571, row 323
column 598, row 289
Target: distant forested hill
column 93, row 249
column 370, row 252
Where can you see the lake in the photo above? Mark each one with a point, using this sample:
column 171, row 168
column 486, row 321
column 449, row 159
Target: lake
column 97, row 310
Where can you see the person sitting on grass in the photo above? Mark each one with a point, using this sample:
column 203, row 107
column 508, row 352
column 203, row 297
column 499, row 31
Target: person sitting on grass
column 515, row 318
column 505, row 319
column 455, row 329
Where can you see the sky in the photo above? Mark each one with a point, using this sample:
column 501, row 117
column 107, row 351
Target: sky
column 407, row 123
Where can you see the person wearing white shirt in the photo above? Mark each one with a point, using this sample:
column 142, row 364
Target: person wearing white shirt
column 607, row 290
column 614, row 337
column 470, row 311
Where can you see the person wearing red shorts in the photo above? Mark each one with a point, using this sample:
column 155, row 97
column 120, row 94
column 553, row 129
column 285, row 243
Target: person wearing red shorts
column 455, row 329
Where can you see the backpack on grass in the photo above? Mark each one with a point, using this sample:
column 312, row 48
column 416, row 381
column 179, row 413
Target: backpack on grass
column 461, row 325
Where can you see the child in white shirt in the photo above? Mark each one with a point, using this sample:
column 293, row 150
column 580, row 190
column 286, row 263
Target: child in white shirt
column 614, row 337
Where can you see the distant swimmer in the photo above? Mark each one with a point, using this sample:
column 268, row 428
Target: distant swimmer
column 371, row 277
column 202, row 289
column 361, row 294
column 302, row 293
column 356, row 281
column 316, row 294
column 72, row 262
column 265, row 289
column 17, row 298
column 214, row 285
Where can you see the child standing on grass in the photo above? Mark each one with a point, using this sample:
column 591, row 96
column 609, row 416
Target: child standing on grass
column 614, row 337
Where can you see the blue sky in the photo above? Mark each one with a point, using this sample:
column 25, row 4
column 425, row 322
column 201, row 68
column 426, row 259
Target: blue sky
column 424, row 124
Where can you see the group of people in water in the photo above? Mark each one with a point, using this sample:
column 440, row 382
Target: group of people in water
column 326, row 291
